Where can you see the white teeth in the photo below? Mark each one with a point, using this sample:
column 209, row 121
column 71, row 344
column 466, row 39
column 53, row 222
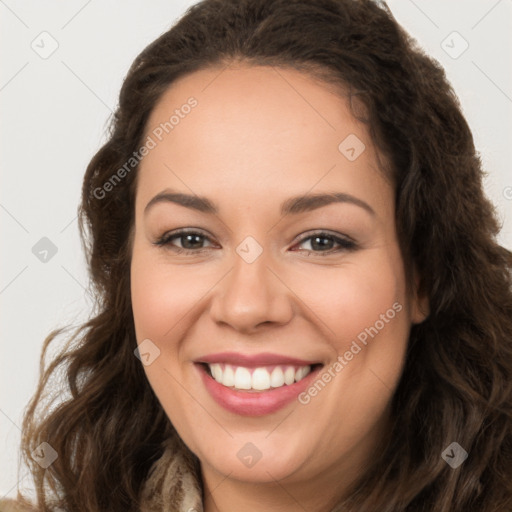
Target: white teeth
column 242, row 378
column 302, row 372
column 277, row 377
column 261, row 379
column 228, row 377
column 216, row 372
column 289, row 375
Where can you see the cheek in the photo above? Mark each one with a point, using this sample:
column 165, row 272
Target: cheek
column 154, row 302
column 163, row 306
column 351, row 299
column 365, row 308
column 161, row 296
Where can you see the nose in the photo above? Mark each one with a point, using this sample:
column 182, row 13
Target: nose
column 251, row 295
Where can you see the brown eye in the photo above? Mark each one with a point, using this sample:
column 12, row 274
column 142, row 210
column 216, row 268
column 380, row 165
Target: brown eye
column 326, row 243
column 190, row 241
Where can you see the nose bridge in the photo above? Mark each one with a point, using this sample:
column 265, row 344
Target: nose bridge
column 251, row 294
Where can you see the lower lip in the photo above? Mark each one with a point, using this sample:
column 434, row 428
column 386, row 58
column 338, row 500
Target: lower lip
column 258, row 403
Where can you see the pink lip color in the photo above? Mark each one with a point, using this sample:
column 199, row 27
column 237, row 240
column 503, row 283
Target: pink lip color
column 253, row 361
column 259, row 403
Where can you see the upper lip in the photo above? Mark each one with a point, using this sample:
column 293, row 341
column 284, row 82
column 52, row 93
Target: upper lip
column 253, row 360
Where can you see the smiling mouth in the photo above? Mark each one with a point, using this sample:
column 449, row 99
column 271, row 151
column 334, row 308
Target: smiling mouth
column 257, row 379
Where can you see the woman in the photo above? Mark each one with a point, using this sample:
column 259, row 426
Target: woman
column 301, row 301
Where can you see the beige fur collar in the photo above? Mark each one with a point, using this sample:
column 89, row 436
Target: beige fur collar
column 172, row 484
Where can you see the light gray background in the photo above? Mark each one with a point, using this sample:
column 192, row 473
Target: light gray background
column 54, row 113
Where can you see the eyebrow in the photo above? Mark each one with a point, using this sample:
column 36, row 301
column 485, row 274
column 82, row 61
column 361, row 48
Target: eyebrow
column 292, row 206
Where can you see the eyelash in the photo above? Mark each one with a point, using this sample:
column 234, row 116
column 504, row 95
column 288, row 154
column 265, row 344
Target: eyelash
column 345, row 243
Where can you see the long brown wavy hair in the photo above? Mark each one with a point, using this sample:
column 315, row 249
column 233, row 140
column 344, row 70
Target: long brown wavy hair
column 93, row 403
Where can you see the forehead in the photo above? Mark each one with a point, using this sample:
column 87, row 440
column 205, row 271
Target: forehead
column 256, row 127
column 260, row 103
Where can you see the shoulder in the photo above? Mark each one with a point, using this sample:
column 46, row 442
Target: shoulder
column 7, row 505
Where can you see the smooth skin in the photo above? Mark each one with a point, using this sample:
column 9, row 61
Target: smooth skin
column 258, row 136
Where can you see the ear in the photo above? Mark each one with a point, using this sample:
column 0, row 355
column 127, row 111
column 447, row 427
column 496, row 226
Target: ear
column 420, row 304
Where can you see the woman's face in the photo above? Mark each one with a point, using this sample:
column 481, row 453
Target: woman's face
column 295, row 303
